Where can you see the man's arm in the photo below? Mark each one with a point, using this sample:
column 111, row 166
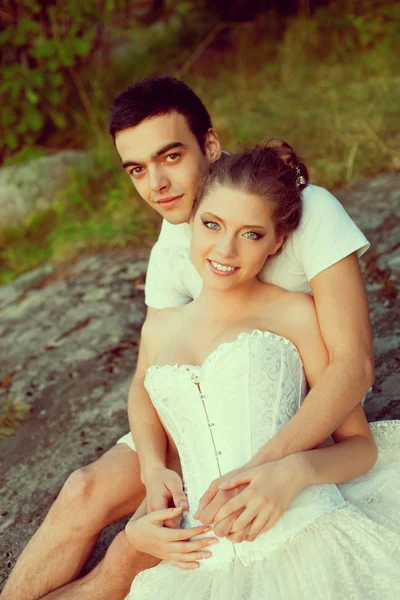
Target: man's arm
column 343, row 316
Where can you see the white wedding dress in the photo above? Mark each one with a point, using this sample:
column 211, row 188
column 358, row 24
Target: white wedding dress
column 332, row 542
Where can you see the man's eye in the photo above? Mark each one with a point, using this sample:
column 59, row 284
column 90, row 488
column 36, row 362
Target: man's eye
column 136, row 171
column 172, row 157
column 211, row 225
column 252, row 235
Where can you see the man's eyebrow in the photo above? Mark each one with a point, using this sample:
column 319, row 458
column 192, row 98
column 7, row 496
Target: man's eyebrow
column 222, row 221
column 167, row 147
column 157, row 154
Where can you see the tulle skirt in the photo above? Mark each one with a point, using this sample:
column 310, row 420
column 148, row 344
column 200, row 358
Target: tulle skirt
column 351, row 553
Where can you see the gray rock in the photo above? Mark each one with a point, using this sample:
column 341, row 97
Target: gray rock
column 10, row 292
column 35, row 185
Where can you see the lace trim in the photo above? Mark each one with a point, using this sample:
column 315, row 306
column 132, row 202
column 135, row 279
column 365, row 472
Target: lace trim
column 225, row 347
column 383, row 434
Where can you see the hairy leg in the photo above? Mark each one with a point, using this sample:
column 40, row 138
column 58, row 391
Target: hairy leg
column 92, row 498
column 112, row 578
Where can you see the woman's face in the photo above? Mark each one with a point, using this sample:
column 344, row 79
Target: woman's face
column 232, row 237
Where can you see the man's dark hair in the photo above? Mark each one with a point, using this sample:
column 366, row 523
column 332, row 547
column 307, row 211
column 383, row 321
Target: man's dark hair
column 159, row 96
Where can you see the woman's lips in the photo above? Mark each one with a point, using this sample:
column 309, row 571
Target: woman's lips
column 169, row 202
column 222, row 273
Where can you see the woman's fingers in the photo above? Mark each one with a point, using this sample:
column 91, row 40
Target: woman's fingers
column 243, row 477
column 178, row 495
column 258, row 524
column 236, row 503
column 276, row 514
column 213, row 489
column 251, row 512
column 239, row 536
column 176, row 535
column 173, row 523
column 207, row 514
column 270, row 521
column 187, row 554
column 208, row 496
column 224, row 527
column 194, row 546
column 159, row 516
column 187, row 566
column 190, row 557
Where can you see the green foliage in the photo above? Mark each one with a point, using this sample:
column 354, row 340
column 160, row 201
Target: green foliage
column 337, row 36
column 57, row 73
column 12, row 413
column 42, row 47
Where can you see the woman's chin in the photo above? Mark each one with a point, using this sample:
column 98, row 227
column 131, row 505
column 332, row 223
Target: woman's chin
column 220, row 283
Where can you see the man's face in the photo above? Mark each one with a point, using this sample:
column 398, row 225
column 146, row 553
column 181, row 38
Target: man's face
column 163, row 158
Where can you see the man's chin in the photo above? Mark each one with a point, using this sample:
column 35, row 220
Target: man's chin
column 176, row 218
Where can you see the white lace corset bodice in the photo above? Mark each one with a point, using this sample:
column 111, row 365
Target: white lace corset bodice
column 222, row 413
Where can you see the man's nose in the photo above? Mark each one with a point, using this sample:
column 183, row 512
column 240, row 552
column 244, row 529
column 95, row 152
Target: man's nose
column 159, row 182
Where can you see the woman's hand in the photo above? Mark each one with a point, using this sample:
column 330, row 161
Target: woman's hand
column 268, row 491
column 212, row 490
column 214, row 499
column 164, row 489
column 148, row 535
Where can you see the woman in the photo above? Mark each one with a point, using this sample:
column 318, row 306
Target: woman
column 226, row 372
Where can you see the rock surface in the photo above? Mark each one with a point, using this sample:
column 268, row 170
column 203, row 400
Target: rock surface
column 34, row 185
column 68, row 346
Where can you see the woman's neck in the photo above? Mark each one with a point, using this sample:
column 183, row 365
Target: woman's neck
column 228, row 304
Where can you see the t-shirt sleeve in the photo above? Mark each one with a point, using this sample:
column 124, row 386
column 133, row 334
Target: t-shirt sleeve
column 162, row 288
column 326, row 234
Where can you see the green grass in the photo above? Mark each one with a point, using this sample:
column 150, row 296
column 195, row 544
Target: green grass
column 99, row 210
column 344, row 131
column 330, row 94
column 340, row 112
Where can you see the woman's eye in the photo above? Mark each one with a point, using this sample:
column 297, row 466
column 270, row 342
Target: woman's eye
column 251, row 235
column 211, row 225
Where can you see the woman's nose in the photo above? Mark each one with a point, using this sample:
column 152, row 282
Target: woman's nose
column 227, row 246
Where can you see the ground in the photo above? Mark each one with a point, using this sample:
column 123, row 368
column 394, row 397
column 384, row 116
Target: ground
column 68, row 342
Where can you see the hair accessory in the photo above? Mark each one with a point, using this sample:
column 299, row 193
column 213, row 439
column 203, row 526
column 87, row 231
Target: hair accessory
column 300, row 178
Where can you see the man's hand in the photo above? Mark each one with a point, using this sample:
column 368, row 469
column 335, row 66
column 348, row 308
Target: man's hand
column 213, row 500
column 164, row 489
column 212, row 491
column 266, row 492
column 148, row 535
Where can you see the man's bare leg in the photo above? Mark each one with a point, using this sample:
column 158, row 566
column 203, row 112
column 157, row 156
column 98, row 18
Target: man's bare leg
column 112, row 578
column 92, row 498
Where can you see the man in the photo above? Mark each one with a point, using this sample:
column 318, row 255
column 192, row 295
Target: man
column 165, row 139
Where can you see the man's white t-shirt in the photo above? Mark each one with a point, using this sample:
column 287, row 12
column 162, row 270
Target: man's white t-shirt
column 326, row 234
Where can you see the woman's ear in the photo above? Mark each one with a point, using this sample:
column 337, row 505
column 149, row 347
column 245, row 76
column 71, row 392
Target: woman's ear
column 212, row 146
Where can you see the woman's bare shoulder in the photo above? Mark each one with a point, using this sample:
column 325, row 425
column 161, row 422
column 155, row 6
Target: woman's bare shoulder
column 161, row 322
column 292, row 311
column 158, row 329
column 299, row 317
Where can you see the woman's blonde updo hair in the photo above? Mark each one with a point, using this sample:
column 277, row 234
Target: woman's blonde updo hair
column 271, row 171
